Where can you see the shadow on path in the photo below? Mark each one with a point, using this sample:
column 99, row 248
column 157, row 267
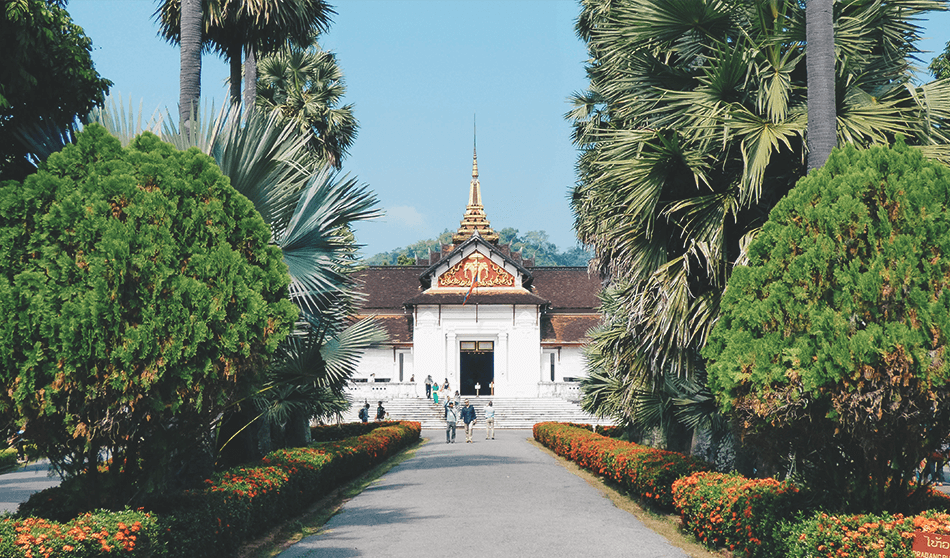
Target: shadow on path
column 500, row 497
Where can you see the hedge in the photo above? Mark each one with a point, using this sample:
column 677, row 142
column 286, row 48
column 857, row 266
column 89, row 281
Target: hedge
column 235, row 505
column 130, row 534
column 645, row 472
column 331, row 432
column 870, row 536
column 733, row 511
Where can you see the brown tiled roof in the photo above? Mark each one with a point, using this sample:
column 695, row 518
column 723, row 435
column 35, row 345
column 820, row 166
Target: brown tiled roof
column 567, row 328
column 388, row 287
column 567, row 288
column 485, row 297
column 399, row 327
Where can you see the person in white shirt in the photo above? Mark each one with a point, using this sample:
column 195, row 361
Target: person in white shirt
column 489, row 421
column 451, row 419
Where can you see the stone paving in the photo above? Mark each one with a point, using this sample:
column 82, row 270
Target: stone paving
column 501, row 497
column 16, row 486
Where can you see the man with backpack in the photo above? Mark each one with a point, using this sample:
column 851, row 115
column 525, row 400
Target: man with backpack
column 451, row 418
column 364, row 413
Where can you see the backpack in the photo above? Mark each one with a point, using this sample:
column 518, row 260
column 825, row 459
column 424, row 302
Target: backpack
column 363, row 414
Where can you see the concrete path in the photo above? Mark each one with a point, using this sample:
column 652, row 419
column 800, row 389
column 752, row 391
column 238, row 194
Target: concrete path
column 16, row 486
column 501, row 497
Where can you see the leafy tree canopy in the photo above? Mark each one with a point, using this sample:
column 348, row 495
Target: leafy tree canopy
column 532, row 244
column 47, row 76
column 142, row 296
column 832, row 341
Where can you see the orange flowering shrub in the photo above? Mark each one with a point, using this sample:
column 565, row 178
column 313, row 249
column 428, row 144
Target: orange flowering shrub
column 869, row 536
column 733, row 511
column 332, row 432
column 213, row 521
column 647, row 473
column 127, row 533
column 610, row 431
column 240, row 503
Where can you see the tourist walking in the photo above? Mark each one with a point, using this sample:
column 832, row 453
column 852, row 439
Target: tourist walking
column 435, row 393
column 458, row 400
column 429, row 387
column 468, row 417
column 451, row 419
column 490, row 421
column 380, row 411
column 364, row 413
column 478, row 388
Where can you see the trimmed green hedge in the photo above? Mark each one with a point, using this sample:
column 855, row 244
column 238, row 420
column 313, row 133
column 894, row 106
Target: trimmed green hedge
column 235, row 506
column 333, row 432
column 647, row 473
column 7, row 459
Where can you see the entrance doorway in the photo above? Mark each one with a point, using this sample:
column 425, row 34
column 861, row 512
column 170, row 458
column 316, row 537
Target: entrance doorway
column 477, row 366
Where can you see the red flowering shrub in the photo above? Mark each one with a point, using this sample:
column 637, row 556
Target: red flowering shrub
column 647, row 473
column 126, row 534
column 609, row 431
column 731, row 510
column 333, row 432
column 870, row 536
column 214, row 521
column 243, row 502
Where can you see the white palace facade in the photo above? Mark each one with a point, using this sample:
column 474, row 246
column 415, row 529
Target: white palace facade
column 519, row 327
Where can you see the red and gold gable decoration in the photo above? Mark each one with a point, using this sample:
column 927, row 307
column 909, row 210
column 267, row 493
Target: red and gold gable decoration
column 488, row 272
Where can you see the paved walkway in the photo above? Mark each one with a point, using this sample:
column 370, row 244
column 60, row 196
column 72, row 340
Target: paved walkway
column 501, row 497
column 16, row 487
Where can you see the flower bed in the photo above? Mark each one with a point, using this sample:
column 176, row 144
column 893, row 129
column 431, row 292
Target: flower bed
column 333, row 432
column 871, row 536
column 129, row 534
column 609, row 431
column 647, row 473
column 234, row 506
column 733, row 511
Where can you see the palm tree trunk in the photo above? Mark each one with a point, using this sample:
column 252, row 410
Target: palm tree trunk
column 190, row 70
column 820, row 65
column 234, row 58
column 250, row 80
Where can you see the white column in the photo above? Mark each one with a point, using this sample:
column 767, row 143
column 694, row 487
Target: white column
column 501, row 361
column 451, row 359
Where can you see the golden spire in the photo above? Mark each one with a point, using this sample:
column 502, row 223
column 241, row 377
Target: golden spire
column 474, row 218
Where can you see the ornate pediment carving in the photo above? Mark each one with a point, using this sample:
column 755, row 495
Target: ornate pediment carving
column 488, row 272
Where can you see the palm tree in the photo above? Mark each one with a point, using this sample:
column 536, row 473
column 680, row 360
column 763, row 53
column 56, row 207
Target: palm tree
column 190, row 77
column 238, row 28
column 305, row 86
column 693, row 127
column 820, row 41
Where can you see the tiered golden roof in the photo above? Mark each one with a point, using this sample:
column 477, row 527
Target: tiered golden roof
column 475, row 218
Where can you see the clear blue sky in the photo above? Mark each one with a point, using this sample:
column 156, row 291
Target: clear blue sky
column 418, row 72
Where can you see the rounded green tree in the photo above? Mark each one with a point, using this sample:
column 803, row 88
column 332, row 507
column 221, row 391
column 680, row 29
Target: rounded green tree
column 830, row 348
column 141, row 295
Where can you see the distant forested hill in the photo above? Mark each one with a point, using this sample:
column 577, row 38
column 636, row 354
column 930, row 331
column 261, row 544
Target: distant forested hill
column 532, row 244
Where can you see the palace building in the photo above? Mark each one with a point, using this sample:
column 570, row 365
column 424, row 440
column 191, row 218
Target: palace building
column 476, row 313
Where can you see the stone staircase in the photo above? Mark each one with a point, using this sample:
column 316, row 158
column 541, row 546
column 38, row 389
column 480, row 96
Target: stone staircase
column 510, row 412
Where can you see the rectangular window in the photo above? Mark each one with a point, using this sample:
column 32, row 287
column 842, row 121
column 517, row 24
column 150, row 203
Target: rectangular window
column 402, row 365
column 468, row 345
column 486, row 345
column 552, row 366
